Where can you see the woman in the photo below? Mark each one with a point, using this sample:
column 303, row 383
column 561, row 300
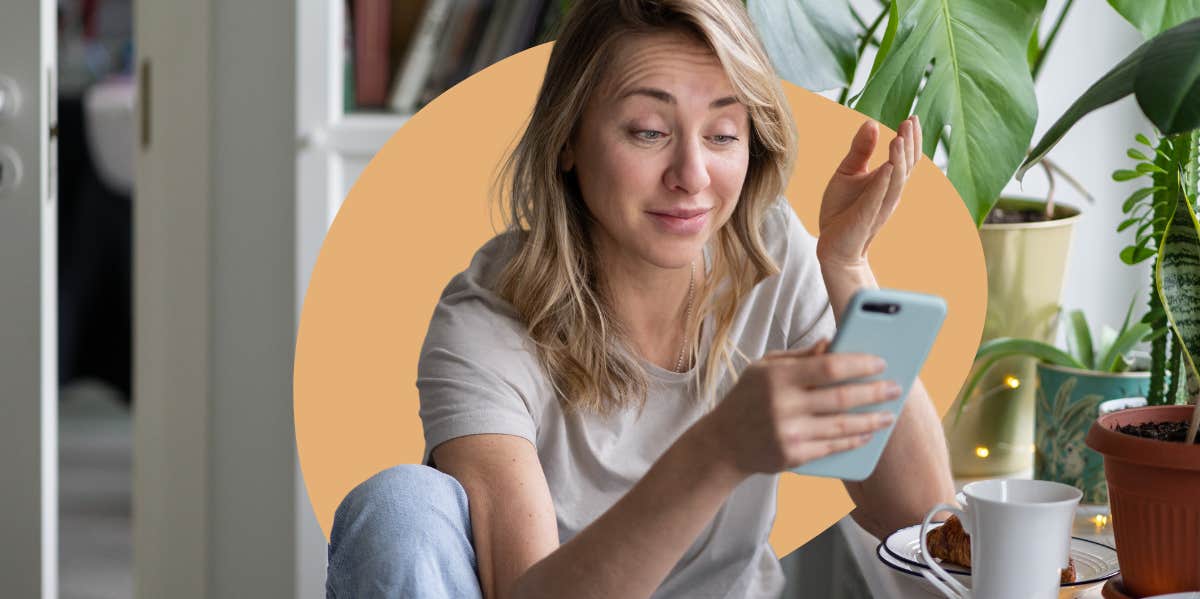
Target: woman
column 610, row 389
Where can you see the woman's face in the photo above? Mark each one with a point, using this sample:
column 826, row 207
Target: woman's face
column 662, row 151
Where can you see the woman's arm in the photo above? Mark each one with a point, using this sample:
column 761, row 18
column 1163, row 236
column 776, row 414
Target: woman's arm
column 855, row 207
column 626, row 552
column 784, row 411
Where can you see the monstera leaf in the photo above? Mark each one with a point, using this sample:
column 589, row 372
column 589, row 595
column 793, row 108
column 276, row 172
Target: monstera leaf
column 1152, row 17
column 978, row 98
column 1164, row 73
column 811, row 43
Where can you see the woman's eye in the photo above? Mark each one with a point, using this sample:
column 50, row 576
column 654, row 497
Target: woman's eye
column 723, row 139
column 650, row 135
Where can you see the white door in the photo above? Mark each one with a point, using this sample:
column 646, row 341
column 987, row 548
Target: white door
column 28, row 304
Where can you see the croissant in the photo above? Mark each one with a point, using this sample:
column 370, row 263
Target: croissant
column 951, row 543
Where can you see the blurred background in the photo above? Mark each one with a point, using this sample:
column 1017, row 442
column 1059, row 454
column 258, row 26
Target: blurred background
column 198, row 151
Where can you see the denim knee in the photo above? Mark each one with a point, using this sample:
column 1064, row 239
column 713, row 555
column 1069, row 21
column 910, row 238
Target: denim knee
column 407, row 530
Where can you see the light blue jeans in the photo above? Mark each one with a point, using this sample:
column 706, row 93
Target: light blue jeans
column 405, row 532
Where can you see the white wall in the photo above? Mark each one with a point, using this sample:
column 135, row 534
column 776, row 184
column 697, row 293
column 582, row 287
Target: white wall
column 1092, row 40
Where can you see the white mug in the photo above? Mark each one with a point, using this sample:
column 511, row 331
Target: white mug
column 1020, row 538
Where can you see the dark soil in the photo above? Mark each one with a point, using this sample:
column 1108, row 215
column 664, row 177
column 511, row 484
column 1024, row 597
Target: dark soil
column 1000, row 216
column 1174, row 432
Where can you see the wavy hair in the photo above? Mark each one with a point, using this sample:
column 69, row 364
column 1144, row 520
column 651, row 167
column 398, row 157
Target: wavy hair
column 552, row 278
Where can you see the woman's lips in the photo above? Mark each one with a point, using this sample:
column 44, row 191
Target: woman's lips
column 682, row 222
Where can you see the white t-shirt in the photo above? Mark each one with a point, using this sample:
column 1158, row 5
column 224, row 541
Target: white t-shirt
column 479, row 374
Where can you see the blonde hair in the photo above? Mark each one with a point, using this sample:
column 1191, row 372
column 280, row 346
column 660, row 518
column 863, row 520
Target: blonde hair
column 551, row 280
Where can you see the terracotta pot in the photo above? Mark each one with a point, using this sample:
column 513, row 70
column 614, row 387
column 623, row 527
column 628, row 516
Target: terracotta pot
column 1154, row 491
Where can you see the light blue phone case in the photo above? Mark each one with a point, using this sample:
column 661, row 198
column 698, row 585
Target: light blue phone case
column 902, row 336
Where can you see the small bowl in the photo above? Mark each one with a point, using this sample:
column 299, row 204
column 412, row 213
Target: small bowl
column 1124, row 403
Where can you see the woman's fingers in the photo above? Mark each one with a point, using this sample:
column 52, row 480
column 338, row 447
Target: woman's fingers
column 861, row 148
column 824, row 428
column 827, row 369
column 812, row 450
column 842, row 398
column 917, row 139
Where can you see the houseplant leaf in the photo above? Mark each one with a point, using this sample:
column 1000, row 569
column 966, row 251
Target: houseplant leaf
column 1081, row 338
column 979, row 88
column 810, row 42
column 1113, row 86
column 1121, row 346
column 1168, row 79
column 997, row 349
column 1152, row 17
column 1177, row 277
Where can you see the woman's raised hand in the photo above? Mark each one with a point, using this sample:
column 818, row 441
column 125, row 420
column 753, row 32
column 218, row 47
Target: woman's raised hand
column 784, row 410
column 857, row 201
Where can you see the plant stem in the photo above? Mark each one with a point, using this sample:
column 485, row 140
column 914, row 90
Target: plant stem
column 1041, row 58
column 1050, row 191
column 868, row 38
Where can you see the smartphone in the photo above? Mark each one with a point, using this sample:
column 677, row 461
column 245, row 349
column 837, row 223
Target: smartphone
column 900, row 327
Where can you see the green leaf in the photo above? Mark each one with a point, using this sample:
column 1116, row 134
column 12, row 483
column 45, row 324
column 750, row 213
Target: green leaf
column 1143, row 140
column 1152, row 17
column 1136, row 155
column 1125, row 175
column 1168, row 79
column 1111, row 360
column 1137, row 196
column 1134, row 254
column 1128, row 314
column 1149, row 168
column 1129, row 222
column 997, row 349
column 1081, row 336
column 1113, row 86
column 1177, row 277
column 810, row 42
column 895, row 12
column 979, row 97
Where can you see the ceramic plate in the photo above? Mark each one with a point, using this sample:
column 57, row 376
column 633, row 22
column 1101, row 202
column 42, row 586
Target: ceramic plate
column 1075, row 591
column 1094, row 562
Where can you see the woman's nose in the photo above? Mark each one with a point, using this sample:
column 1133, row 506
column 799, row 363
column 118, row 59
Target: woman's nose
column 688, row 171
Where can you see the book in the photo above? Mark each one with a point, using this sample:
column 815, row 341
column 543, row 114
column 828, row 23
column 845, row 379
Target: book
column 348, row 59
column 418, row 61
column 406, row 17
column 372, row 25
column 457, row 47
column 521, row 32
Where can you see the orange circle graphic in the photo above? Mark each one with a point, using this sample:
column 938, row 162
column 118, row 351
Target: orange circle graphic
column 419, row 212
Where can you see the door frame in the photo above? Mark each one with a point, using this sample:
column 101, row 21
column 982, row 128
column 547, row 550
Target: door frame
column 219, row 506
column 29, row 318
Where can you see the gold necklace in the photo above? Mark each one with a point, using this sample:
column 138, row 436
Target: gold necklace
column 686, row 319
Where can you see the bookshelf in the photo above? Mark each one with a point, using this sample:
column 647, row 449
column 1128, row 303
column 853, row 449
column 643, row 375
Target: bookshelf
column 336, row 139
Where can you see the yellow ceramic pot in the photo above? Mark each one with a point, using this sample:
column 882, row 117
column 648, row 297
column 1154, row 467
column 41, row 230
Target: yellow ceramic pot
column 1025, row 266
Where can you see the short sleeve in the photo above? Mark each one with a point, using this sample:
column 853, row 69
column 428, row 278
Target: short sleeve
column 475, row 375
column 808, row 316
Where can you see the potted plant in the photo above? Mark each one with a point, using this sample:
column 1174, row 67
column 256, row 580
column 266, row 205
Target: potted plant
column 1151, row 460
column 927, row 50
column 1071, row 386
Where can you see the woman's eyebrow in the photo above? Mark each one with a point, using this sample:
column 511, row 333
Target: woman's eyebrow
column 663, row 96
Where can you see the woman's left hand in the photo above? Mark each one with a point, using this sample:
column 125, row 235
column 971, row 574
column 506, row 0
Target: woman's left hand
column 857, row 201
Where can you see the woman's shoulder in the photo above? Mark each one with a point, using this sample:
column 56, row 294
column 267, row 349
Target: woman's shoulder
column 471, row 319
column 785, row 238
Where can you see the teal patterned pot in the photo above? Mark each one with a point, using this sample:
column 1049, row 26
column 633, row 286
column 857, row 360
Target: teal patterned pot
column 1068, row 401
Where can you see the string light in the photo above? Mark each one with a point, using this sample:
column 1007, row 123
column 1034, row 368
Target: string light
column 982, row 451
column 1012, row 382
